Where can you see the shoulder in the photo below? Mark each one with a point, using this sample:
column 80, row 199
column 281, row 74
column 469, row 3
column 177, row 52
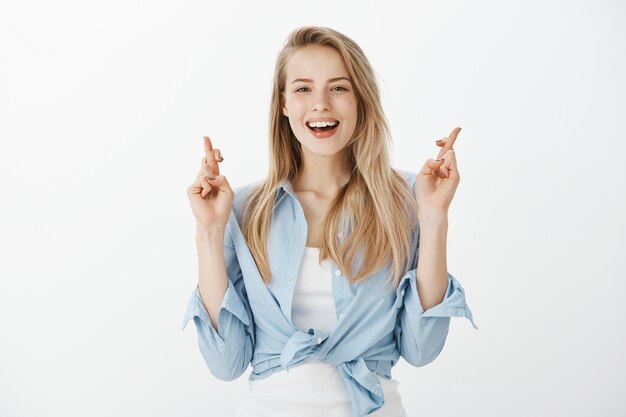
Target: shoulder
column 235, row 221
column 242, row 192
column 408, row 175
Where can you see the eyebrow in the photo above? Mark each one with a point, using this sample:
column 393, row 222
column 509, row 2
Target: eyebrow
column 330, row 80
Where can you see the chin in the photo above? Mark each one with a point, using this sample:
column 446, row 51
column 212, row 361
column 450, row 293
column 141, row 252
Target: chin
column 323, row 150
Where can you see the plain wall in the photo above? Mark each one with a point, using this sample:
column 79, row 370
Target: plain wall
column 103, row 106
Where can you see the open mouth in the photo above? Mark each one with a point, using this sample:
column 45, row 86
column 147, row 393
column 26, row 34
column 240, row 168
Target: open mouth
column 322, row 127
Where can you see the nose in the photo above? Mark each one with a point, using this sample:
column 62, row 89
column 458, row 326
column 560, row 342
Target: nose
column 321, row 101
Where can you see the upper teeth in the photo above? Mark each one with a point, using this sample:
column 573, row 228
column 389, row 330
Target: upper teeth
column 322, row 124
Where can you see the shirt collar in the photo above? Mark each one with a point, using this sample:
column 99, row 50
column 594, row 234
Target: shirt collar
column 283, row 187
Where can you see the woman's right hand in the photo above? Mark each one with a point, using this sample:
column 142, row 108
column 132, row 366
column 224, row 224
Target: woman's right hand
column 210, row 194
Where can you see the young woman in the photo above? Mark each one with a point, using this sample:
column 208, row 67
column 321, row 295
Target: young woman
column 314, row 271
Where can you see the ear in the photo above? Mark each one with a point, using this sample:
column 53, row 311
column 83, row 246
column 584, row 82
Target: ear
column 282, row 105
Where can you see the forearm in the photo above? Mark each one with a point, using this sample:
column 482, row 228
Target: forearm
column 212, row 277
column 432, row 270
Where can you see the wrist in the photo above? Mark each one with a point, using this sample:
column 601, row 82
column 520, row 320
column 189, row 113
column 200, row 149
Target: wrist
column 433, row 217
column 433, row 228
column 211, row 232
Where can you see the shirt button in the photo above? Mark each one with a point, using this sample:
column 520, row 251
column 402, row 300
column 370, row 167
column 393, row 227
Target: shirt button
column 402, row 292
column 337, row 272
column 319, row 340
column 341, row 315
column 289, row 280
column 339, row 235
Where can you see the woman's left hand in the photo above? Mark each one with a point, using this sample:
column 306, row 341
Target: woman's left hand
column 437, row 181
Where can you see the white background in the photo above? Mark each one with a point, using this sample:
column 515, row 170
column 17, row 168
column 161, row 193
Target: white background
column 103, row 106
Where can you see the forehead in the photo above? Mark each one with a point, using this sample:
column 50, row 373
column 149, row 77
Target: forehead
column 316, row 62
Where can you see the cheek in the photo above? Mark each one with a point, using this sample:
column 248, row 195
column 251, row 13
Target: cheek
column 351, row 103
column 296, row 110
column 352, row 108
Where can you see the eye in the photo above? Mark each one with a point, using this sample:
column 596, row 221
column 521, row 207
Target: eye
column 298, row 90
column 342, row 88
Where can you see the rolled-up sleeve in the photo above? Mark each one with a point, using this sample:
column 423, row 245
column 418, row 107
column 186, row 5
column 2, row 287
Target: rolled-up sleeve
column 227, row 353
column 421, row 334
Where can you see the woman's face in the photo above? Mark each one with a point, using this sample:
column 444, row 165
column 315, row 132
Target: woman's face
column 319, row 89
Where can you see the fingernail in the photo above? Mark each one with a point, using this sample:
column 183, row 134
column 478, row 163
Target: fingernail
column 211, row 177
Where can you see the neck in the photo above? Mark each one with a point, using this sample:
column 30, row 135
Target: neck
column 322, row 174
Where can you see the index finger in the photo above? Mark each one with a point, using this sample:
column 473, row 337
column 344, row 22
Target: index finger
column 210, row 156
column 208, row 147
column 449, row 142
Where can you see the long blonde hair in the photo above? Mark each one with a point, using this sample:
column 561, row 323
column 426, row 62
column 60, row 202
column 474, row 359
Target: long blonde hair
column 378, row 200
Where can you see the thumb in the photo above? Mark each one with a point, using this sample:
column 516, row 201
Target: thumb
column 431, row 165
column 221, row 183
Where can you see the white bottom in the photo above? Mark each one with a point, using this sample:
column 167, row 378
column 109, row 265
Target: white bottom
column 312, row 389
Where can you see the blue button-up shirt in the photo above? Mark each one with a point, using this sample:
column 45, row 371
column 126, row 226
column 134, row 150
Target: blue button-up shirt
column 376, row 324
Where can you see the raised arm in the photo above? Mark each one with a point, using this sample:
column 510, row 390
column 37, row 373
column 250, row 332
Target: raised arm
column 218, row 305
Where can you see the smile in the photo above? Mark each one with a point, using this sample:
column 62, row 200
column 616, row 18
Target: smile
column 323, row 129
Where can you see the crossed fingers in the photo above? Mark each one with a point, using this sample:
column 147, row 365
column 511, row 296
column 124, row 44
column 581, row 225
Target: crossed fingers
column 211, row 159
column 447, row 143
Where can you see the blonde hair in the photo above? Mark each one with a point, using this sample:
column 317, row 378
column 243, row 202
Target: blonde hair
column 378, row 199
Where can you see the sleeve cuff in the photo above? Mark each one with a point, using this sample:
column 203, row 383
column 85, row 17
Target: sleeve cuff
column 231, row 303
column 452, row 305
